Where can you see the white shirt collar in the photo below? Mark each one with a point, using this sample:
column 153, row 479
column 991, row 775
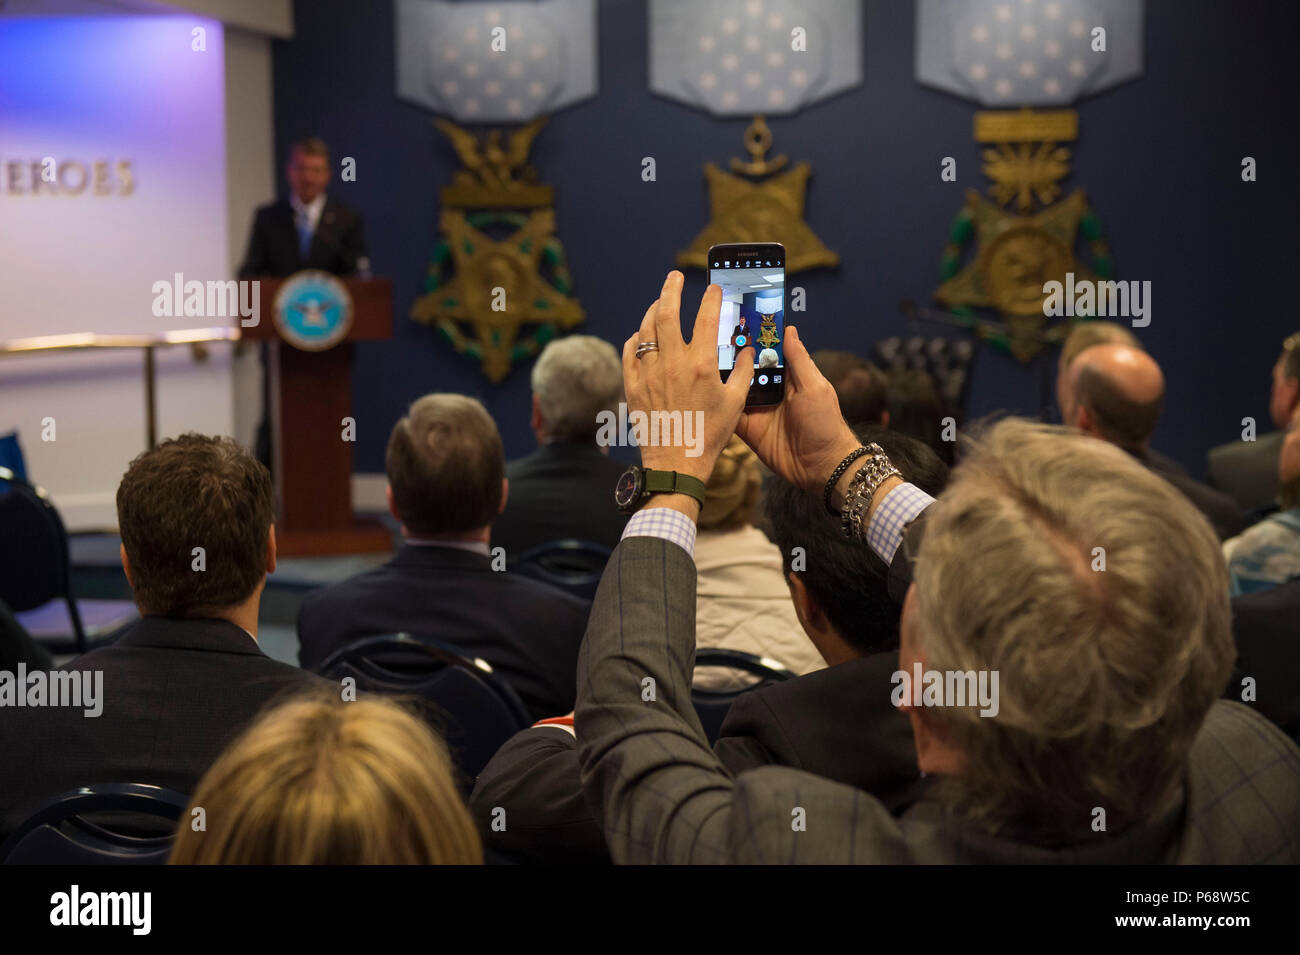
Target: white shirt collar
column 312, row 209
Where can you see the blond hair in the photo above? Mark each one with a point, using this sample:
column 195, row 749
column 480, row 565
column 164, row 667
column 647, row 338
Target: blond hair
column 731, row 494
column 1100, row 596
column 319, row 781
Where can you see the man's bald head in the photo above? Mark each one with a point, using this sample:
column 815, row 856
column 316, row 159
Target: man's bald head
column 1118, row 394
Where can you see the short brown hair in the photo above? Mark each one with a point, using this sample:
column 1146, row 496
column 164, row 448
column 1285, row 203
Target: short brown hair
column 445, row 465
column 311, row 146
column 862, row 390
column 317, row 781
column 195, row 491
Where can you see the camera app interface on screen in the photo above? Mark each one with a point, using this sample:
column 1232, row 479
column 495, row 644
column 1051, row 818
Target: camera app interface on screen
column 753, row 314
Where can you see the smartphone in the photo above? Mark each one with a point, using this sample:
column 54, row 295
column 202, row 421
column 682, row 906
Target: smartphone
column 752, row 278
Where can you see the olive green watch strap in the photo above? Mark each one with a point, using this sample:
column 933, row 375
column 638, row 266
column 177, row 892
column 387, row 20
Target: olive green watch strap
column 674, row 482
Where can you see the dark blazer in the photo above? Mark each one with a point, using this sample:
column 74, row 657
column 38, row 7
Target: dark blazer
column 1247, row 470
column 563, row 489
column 1266, row 627
column 527, row 630
column 336, row 245
column 837, row 723
column 661, row 795
column 174, row 694
column 1219, row 509
column 18, row 646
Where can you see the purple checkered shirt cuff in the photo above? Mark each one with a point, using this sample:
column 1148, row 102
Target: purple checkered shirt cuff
column 896, row 511
column 663, row 522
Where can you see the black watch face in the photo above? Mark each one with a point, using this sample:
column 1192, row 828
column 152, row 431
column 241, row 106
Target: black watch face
column 628, row 489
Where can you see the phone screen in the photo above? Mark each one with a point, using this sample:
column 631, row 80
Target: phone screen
column 752, row 279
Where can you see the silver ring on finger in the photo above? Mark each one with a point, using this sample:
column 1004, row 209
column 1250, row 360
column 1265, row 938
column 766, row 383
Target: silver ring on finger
column 645, row 348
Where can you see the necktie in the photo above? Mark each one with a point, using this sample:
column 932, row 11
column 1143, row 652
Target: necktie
column 304, row 234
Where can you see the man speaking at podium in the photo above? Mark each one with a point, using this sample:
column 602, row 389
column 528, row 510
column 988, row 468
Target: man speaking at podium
column 309, row 230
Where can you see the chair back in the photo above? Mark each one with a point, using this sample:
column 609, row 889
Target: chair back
column 34, row 566
column 61, row 831
column 11, row 454
column 573, row 566
column 711, row 705
column 474, row 709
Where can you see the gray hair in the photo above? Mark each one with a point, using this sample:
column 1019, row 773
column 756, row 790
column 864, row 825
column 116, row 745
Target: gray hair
column 575, row 379
column 1100, row 596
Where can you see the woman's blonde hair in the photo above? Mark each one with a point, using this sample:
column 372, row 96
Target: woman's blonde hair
column 316, row 781
column 731, row 494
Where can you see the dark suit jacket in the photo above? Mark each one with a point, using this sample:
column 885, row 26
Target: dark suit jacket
column 837, row 723
column 174, row 694
column 527, row 630
column 336, row 245
column 1266, row 627
column 1221, row 511
column 661, row 795
column 562, row 489
column 17, row 645
column 1247, row 470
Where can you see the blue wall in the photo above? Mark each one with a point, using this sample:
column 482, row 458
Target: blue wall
column 1159, row 158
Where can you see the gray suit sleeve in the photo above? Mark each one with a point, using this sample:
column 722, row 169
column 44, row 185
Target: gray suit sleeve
column 658, row 791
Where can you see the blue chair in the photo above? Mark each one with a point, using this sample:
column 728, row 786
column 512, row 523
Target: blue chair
column 61, row 832
column 574, row 566
column 474, row 709
column 11, row 454
column 711, row 705
column 35, row 575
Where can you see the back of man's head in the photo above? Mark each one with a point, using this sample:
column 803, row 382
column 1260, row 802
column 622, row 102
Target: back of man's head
column 1099, row 595
column 575, row 379
column 860, row 387
column 916, row 408
column 1122, row 391
column 847, row 581
column 1285, row 397
column 445, row 466
column 1095, row 332
column 189, row 492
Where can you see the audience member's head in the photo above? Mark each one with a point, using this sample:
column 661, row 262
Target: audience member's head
column 1117, row 394
column 574, row 380
column 1048, row 561
column 768, row 358
column 1285, row 398
column 446, row 469
column 1083, row 336
column 1288, row 470
column 837, row 585
column 323, row 782
column 860, row 387
column 731, row 493
column 196, row 492
column 917, row 410
column 308, row 169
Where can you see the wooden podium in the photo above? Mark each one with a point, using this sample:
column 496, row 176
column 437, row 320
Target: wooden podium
column 311, row 394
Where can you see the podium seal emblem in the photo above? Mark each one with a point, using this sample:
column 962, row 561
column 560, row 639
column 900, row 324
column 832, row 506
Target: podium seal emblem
column 313, row 310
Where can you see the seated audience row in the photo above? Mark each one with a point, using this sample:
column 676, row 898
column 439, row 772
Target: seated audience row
column 1101, row 739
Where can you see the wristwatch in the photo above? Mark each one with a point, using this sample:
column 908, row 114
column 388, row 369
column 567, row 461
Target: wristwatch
column 636, row 484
